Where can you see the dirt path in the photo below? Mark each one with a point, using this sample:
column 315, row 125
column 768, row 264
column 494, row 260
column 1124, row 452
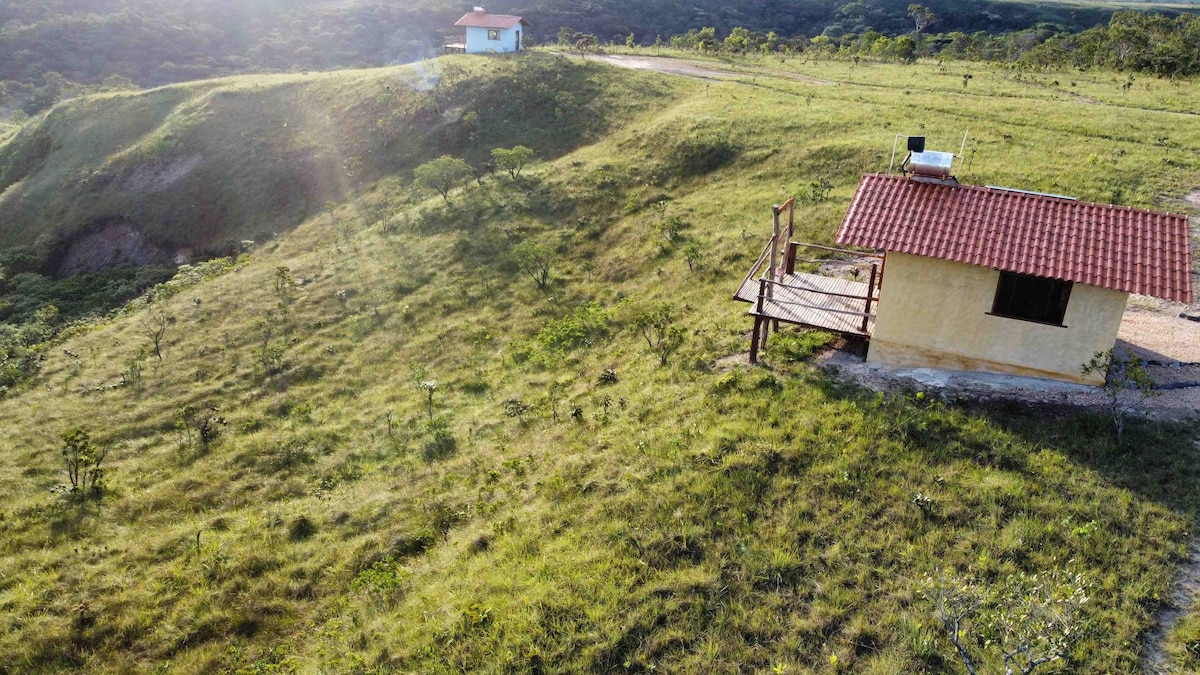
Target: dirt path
column 1183, row 596
column 698, row 69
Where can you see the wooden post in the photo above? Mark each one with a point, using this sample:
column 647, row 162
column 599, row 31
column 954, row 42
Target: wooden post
column 764, row 290
column 758, row 321
column 870, row 294
column 791, row 220
column 789, row 261
column 774, row 243
column 775, row 208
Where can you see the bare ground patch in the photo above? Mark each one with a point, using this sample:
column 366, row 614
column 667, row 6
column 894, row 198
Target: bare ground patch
column 699, row 69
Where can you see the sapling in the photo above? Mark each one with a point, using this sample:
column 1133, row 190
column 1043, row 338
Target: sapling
column 657, row 327
column 554, row 396
column 155, row 328
column 1127, row 384
column 428, row 386
column 205, row 421
column 692, row 254
column 534, row 259
column 83, row 459
column 1031, row 619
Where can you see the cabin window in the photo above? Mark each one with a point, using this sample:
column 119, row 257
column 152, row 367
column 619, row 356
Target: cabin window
column 1030, row 298
column 493, row 34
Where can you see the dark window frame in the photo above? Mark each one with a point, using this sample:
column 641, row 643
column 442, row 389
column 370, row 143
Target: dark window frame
column 493, row 35
column 1030, row 298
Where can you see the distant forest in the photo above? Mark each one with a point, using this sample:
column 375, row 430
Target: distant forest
column 55, row 49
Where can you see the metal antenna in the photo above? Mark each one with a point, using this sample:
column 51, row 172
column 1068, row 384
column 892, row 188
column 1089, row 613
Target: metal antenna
column 895, row 144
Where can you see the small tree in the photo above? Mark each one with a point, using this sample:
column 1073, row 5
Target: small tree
column 566, row 37
column 922, row 17
column 554, row 395
column 83, row 459
column 428, row 386
column 283, row 280
column 155, row 328
column 692, row 253
column 657, row 327
column 585, row 43
column 534, row 259
column 906, row 48
column 512, row 160
column 353, row 166
column 206, row 421
column 442, row 175
column 1032, row 619
column 1127, row 384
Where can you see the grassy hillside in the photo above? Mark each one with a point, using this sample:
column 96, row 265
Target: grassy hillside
column 374, row 444
column 205, row 165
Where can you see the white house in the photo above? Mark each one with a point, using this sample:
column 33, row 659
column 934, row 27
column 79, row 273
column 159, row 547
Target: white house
column 492, row 33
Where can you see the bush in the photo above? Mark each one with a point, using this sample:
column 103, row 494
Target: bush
column 657, row 327
column 578, row 329
column 301, row 528
column 441, row 443
column 83, row 459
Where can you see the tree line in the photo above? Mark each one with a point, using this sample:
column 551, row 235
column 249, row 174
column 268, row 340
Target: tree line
column 56, row 49
column 1151, row 43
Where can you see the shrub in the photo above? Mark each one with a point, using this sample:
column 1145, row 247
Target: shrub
column 83, row 459
column 383, row 580
column 578, row 329
column 301, row 528
column 657, row 327
column 441, row 443
column 205, row 421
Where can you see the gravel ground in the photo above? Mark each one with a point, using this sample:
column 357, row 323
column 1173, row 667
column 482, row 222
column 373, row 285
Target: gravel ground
column 1153, row 330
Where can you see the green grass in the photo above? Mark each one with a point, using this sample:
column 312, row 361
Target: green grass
column 689, row 518
column 205, row 165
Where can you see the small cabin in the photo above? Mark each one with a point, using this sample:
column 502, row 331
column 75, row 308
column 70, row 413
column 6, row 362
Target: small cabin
column 978, row 278
column 1008, row 281
column 491, row 33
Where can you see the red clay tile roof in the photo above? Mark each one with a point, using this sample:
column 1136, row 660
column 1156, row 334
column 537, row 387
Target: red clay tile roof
column 485, row 20
column 1115, row 247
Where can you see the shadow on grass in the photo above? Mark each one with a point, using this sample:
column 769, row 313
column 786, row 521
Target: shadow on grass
column 1157, row 460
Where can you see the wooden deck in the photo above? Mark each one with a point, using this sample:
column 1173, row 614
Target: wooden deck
column 777, row 293
column 812, row 300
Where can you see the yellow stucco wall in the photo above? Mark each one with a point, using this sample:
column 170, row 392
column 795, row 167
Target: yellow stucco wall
column 934, row 314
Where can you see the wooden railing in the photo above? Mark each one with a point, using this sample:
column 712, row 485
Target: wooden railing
column 768, row 283
column 779, row 258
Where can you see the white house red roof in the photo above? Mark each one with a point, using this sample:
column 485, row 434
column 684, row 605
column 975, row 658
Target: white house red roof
column 485, row 20
column 1116, row 247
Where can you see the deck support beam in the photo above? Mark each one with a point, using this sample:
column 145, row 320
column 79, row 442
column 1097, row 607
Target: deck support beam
column 758, row 322
column 870, row 294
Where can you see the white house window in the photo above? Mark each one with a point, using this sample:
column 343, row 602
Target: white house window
column 493, row 34
column 1030, row 298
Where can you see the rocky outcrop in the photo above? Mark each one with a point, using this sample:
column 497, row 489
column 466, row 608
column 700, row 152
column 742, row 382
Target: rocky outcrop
column 106, row 246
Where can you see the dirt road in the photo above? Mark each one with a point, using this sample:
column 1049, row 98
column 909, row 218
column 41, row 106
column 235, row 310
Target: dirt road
column 698, row 69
